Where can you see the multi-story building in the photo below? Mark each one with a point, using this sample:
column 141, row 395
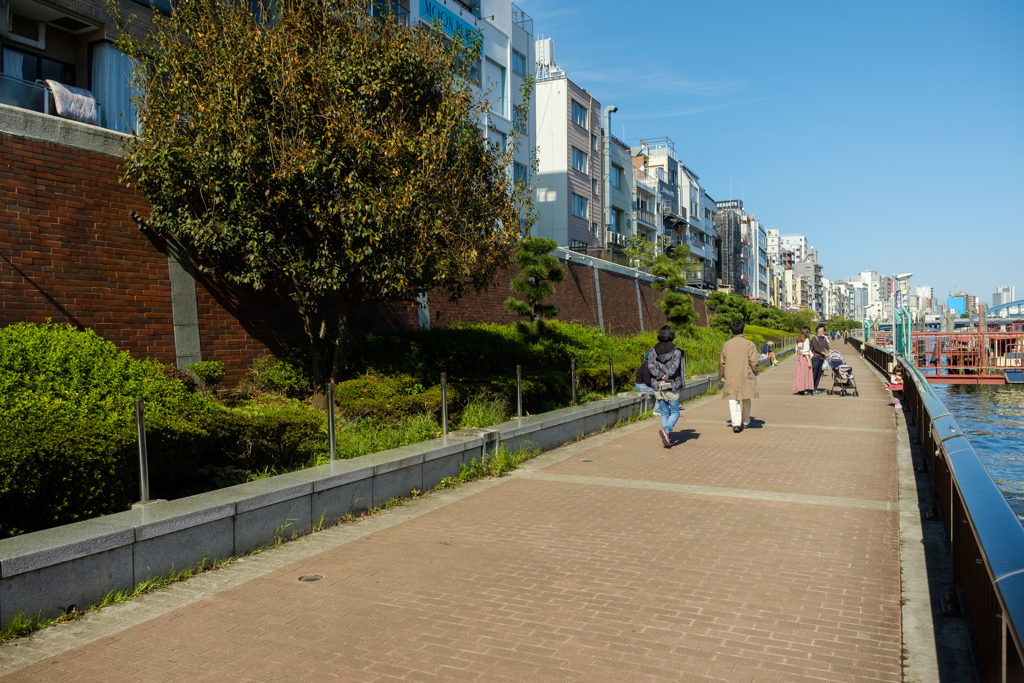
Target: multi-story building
column 734, row 246
column 860, row 300
column 657, row 161
column 879, row 287
column 698, row 209
column 796, row 244
column 622, row 221
column 70, row 42
column 569, row 161
column 810, row 268
column 926, row 297
column 760, row 279
column 1004, row 295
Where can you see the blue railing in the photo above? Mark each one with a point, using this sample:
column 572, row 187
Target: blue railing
column 986, row 540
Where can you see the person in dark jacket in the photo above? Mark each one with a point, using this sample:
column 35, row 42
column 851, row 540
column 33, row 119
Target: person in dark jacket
column 643, row 383
column 819, row 352
column 667, row 373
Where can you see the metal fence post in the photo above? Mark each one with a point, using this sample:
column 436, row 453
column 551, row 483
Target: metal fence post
column 140, row 424
column 444, row 403
column 519, row 391
column 572, row 373
column 611, row 370
column 331, row 436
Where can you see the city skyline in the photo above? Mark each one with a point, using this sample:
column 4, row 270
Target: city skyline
column 878, row 141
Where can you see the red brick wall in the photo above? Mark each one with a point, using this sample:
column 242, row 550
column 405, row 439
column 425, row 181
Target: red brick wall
column 70, row 251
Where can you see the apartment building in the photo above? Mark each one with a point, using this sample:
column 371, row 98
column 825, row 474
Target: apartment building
column 796, row 244
column 810, row 269
column 569, row 162
column 699, row 213
column 734, row 246
column 1003, row 295
column 621, row 188
column 658, row 165
column 70, row 42
column 46, row 45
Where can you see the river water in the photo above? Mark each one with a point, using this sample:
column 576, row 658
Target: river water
column 992, row 416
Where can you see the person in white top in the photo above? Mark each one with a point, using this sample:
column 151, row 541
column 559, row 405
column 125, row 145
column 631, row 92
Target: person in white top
column 803, row 379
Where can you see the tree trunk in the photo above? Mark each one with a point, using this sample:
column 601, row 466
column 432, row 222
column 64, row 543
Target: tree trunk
column 315, row 325
column 351, row 327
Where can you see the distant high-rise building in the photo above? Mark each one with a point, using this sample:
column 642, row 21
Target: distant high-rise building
column 796, row 244
column 734, row 255
column 926, row 298
column 1004, row 295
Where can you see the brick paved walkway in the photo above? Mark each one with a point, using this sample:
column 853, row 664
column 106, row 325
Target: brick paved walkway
column 770, row 555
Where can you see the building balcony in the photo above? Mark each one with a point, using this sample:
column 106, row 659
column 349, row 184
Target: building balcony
column 616, row 239
column 24, row 95
column 645, row 181
column 648, row 217
column 522, row 19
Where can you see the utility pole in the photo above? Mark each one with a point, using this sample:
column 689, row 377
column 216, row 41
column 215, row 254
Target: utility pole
column 606, row 192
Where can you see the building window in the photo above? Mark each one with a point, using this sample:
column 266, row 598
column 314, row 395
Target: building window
column 580, row 206
column 522, row 174
column 707, row 214
column 615, row 221
column 615, row 177
column 593, row 185
column 495, row 83
column 579, row 114
column 593, row 142
column 518, row 63
column 30, row 67
column 593, row 229
column 579, row 160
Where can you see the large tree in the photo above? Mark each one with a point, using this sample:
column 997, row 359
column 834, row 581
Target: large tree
column 677, row 306
column 336, row 158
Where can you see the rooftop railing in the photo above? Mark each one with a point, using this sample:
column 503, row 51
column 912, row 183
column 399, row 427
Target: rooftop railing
column 522, row 19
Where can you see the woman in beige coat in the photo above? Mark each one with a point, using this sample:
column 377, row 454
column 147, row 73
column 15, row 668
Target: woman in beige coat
column 738, row 369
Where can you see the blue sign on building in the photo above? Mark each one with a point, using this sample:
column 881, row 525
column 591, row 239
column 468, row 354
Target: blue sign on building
column 452, row 24
column 958, row 304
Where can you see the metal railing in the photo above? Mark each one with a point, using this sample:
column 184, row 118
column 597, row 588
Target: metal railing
column 389, row 8
column 645, row 216
column 24, row 95
column 522, row 19
column 986, row 540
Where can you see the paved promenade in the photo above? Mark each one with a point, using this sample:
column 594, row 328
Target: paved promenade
column 769, row 555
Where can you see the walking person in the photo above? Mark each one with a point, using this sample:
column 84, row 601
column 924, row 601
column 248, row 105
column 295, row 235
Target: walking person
column 803, row 378
column 819, row 352
column 667, row 373
column 643, row 383
column 737, row 368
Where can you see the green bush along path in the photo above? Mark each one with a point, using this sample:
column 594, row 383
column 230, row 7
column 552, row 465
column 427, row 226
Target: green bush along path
column 68, row 450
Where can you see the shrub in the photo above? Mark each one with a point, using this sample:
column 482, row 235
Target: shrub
column 483, row 412
column 173, row 372
column 270, row 436
column 364, row 436
column 68, row 446
column 268, row 375
column 209, row 372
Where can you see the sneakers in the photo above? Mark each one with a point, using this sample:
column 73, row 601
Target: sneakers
column 737, row 430
column 665, row 438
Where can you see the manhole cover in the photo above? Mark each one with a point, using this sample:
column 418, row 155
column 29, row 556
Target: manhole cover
column 307, row 578
column 586, row 461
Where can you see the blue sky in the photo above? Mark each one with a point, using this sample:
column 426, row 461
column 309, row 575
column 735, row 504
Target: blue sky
column 890, row 134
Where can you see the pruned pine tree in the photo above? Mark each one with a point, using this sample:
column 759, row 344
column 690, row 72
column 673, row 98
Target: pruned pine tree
column 539, row 271
column 328, row 154
column 677, row 306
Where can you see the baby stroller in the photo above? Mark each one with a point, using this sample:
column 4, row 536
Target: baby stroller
column 842, row 375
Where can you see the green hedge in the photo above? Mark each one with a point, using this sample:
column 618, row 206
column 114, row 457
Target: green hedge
column 68, row 447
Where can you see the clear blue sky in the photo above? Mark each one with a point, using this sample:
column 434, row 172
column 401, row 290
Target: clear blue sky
column 891, row 134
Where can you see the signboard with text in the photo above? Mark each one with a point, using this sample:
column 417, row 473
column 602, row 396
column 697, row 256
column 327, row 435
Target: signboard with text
column 431, row 10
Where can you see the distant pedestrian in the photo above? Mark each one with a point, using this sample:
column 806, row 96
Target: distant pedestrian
column 768, row 351
column 803, row 379
column 643, row 383
column 819, row 351
column 737, row 368
column 667, row 377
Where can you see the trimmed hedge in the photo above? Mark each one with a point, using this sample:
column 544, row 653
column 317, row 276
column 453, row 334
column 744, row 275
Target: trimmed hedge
column 68, row 447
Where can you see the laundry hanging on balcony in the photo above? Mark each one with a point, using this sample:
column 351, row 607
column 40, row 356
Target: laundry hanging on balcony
column 77, row 104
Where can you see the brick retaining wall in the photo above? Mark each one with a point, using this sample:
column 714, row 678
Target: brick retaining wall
column 70, row 251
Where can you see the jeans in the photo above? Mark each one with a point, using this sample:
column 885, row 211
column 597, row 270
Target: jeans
column 644, row 389
column 740, row 413
column 817, row 367
column 669, row 411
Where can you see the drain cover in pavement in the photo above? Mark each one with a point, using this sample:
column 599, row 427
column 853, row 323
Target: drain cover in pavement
column 307, row 578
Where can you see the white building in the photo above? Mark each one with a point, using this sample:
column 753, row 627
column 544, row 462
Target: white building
column 1004, row 295
column 796, row 244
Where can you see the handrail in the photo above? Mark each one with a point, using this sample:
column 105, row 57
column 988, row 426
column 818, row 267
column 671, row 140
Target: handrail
column 988, row 562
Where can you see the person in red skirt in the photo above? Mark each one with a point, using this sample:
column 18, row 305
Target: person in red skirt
column 803, row 379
